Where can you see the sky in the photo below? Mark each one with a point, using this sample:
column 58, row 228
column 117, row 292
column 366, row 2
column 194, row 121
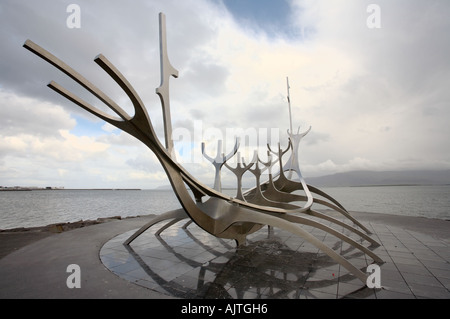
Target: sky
column 371, row 78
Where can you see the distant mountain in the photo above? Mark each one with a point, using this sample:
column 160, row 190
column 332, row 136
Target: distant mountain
column 372, row 178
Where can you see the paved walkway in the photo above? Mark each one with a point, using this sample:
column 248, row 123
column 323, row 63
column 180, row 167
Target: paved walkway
column 39, row 270
column 189, row 263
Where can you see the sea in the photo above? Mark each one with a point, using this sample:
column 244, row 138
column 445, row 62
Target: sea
column 45, row 207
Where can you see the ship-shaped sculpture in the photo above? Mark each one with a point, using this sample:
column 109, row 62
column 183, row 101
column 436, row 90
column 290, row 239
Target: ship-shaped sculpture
column 272, row 202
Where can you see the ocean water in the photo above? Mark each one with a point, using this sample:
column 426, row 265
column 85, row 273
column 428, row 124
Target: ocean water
column 40, row 208
column 419, row 201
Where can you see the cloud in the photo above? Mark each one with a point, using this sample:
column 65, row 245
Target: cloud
column 19, row 115
column 375, row 98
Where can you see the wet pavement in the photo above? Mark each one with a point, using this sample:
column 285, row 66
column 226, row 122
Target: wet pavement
column 186, row 262
column 190, row 264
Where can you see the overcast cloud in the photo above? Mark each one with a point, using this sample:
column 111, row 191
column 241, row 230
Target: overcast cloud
column 376, row 98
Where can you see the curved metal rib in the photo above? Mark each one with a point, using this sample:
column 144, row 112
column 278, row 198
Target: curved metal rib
column 363, row 235
column 219, row 161
column 279, row 154
column 171, row 223
column 173, row 214
column 286, row 185
column 271, row 192
column 318, row 225
column 257, row 197
column 239, row 171
column 289, row 223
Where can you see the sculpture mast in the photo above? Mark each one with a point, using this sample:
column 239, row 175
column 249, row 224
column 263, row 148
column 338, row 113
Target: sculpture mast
column 289, row 103
column 290, row 125
column 167, row 70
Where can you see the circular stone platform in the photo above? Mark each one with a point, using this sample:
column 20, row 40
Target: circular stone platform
column 190, row 263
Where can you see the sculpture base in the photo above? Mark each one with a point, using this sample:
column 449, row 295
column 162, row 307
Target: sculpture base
column 190, row 263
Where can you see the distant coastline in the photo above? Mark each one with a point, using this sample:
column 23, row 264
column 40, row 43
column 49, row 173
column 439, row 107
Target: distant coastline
column 28, row 188
column 49, row 188
column 346, row 179
column 103, row 189
column 382, row 178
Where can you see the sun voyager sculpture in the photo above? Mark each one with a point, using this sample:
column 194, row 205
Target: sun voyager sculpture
column 272, row 202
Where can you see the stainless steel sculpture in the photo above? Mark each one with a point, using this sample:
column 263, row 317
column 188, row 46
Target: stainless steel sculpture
column 272, row 202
